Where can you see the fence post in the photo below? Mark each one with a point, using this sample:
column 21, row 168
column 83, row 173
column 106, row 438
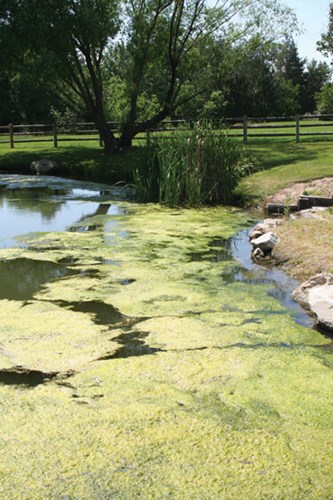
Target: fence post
column 297, row 128
column 244, row 129
column 100, row 141
column 11, row 135
column 55, row 135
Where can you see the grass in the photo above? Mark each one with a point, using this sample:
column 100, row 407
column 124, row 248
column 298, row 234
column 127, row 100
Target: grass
column 82, row 160
column 283, row 164
column 304, row 245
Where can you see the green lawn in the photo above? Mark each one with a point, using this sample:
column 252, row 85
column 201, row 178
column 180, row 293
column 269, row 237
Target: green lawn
column 83, row 160
column 284, row 164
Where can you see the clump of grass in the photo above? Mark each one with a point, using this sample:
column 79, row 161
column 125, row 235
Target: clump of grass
column 196, row 167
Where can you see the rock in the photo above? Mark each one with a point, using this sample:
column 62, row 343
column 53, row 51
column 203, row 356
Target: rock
column 43, row 166
column 258, row 254
column 255, row 234
column 266, row 242
column 311, row 213
column 264, row 227
column 301, row 294
column 321, row 305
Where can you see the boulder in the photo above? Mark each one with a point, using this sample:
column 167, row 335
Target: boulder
column 301, row 294
column 43, row 166
column 321, row 305
column 266, row 242
column 264, row 227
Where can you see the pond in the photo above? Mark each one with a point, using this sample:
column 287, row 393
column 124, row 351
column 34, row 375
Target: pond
column 142, row 353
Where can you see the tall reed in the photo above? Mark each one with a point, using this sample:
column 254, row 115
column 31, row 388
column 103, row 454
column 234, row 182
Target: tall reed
column 194, row 167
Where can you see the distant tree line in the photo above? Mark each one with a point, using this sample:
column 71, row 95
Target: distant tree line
column 138, row 62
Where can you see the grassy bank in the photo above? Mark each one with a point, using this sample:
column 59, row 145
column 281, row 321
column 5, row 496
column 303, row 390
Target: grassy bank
column 304, row 243
column 86, row 160
column 283, row 164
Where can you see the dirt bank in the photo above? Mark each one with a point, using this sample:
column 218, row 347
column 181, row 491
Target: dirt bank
column 289, row 195
column 306, row 240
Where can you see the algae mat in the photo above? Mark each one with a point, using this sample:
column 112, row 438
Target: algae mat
column 133, row 368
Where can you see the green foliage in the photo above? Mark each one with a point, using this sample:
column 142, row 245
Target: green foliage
column 201, row 166
column 325, row 45
column 317, row 74
column 66, row 120
column 288, row 98
column 324, row 99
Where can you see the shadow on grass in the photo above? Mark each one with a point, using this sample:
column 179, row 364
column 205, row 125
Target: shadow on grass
column 280, row 154
column 78, row 162
column 282, row 164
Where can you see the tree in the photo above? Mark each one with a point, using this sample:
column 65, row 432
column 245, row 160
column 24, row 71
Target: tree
column 316, row 75
column 324, row 99
column 325, row 44
column 148, row 44
column 73, row 36
column 290, row 70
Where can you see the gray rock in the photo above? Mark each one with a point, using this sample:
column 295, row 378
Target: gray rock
column 264, row 227
column 255, row 234
column 311, row 213
column 43, row 166
column 266, row 241
column 258, row 254
column 301, row 294
column 321, row 305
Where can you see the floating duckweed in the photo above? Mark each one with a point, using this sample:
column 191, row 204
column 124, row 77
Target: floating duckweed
column 232, row 398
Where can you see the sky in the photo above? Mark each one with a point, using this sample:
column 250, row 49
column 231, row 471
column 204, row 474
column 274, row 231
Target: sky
column 312, row 16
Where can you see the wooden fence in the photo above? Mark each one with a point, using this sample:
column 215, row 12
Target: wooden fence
column 85, row 131
column 296, row 127
column 246, row 129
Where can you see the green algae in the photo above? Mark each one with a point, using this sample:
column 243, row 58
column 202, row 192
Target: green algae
column 234, row 399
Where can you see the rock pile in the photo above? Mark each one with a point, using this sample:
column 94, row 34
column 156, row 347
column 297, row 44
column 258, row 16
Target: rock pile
column 314, row 295
column 263, row 239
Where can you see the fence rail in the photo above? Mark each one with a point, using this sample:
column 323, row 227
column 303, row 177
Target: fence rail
column 85, row 131
column 244, row 128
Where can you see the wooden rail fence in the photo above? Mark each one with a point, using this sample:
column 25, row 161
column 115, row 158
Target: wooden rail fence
column 245, row 128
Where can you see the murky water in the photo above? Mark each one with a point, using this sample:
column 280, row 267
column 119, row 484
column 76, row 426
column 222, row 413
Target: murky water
column 143, row 353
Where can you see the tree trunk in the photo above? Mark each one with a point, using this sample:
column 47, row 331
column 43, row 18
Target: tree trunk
column 132, row 129
column 107, row 136
column 127, row 137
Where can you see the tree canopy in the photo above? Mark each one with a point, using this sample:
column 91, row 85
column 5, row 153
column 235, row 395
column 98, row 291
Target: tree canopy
column 141, row 61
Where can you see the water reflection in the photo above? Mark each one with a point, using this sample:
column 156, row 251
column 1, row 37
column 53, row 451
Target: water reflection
column 277, row 283
column 33, row 200
column 24, row 377
column 22, row 278
column 29, row 208
column 104, row 314
column 133, row 344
